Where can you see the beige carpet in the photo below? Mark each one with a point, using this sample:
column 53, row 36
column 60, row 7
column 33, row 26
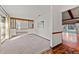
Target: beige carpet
column 25, row 44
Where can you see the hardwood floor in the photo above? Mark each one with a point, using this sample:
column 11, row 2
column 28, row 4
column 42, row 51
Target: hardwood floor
column 61, row 49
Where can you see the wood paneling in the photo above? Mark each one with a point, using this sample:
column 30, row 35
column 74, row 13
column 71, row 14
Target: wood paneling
column 20, row 19
column 61, row 49
column 70, row 21
column 70, row 13
column 57, row 32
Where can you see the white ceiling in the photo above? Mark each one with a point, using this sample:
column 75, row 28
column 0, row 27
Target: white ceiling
column 26, row 11
column 67, row 7
column 33, row 11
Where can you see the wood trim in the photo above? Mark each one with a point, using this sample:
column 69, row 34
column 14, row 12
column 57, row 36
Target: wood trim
column 24, row 28
column 70, row 22
column 40, row 36
column 70, row 19
column 70, row 13
column 57, row 32
column 57, row 45
column 21, row 19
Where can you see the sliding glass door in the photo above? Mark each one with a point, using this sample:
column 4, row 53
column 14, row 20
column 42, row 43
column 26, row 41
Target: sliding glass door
column 70, row 35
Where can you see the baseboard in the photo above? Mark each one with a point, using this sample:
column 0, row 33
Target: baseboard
column 56, row 45
column 40, row 36
column 3, row 41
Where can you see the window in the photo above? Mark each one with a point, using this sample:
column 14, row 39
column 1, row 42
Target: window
column 12, row 24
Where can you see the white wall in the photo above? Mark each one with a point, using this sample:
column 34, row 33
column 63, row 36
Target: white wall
column 56, row 25
column 44, row 16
